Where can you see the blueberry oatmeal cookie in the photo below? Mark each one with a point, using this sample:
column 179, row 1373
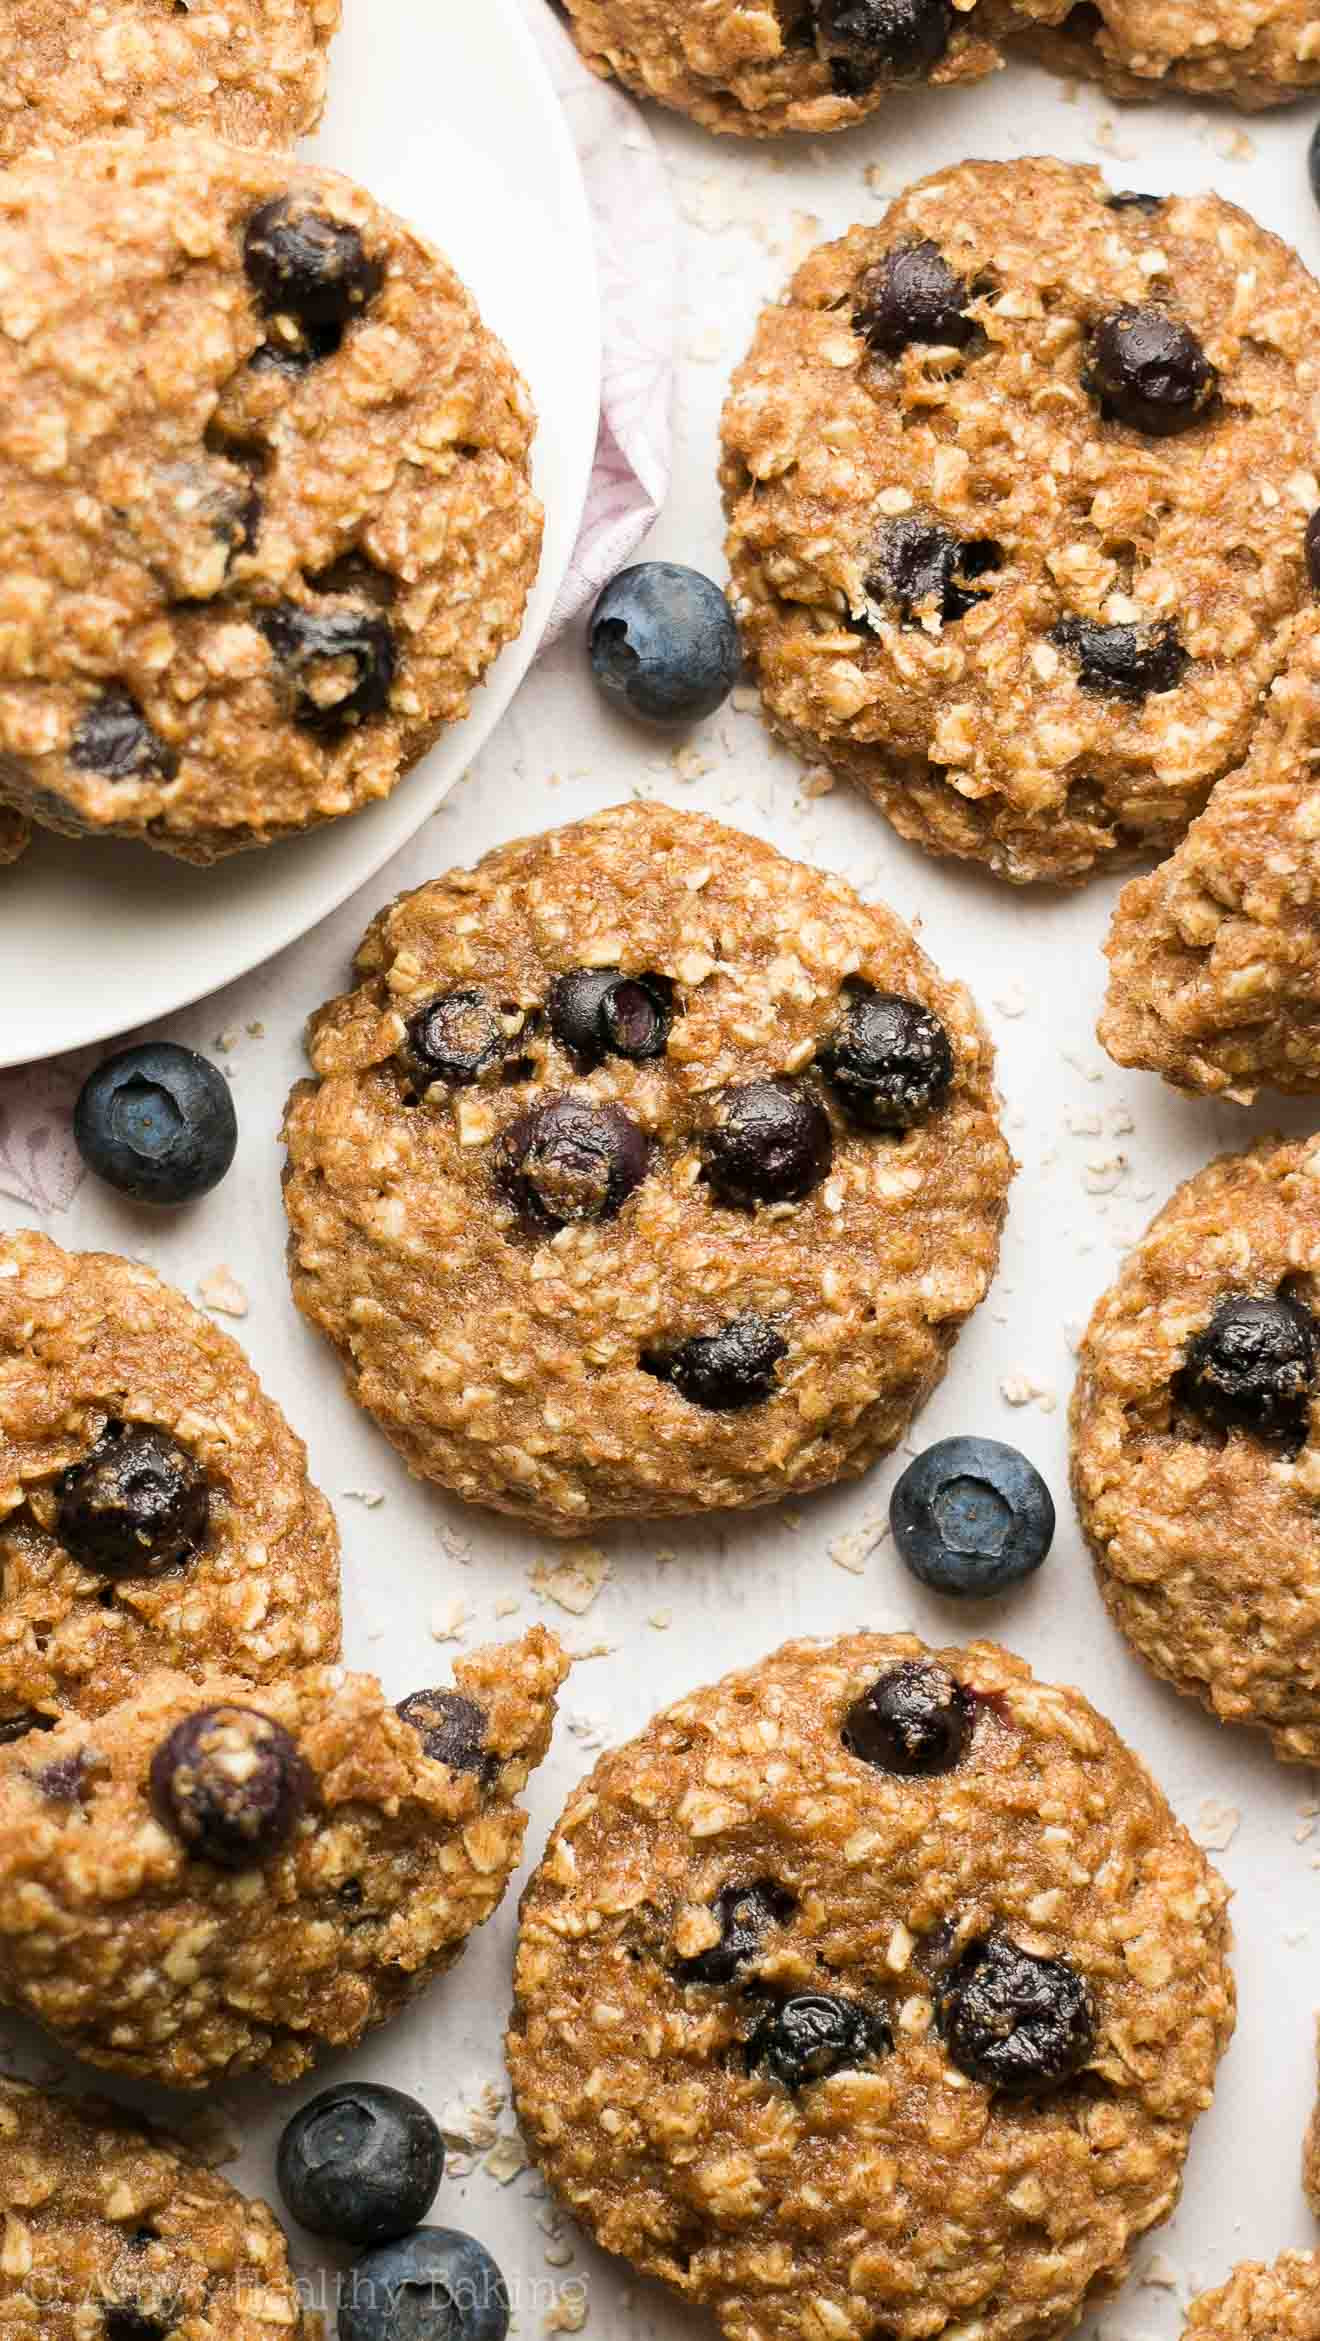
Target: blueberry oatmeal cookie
column 1018, row 484
column 252, row 70
column 1215, row 957
column 1196, row 1459
column 215, row 1878
column 266, row 491
column 155, row 1508
column 643, row 1171
column 1281, row 2303
column 115, row 2230
column 1256, row 53
column 873, row 1990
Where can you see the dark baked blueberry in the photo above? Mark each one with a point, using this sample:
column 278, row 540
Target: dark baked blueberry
column 568, row 1158
column 67, row 1780
column 432, row 2285
column 1252, row 1368
column 23, row 1721
column 597, row 1013
column 663, row 643
column 914, row 1720
column 360, row 2163
column 726, row 1370
column 889, row 1060
column 1148, row 369
column 745, row 1915
column 912, row 295
column 1131, row 199
column 157, row 1122
column 1123, row 662
column 129, row 2321
column 866, row 41
column 340, row 663
column 457, row 1038
column 1313, row 549
column 771, row 1143
column 452, row 1729
column 230, row 1782
column 813, row 2035
column 113, row 737
column 305, row 265
column 138, row 1505
column 971, row 1516
column 923, row 570
column 1019, row 2023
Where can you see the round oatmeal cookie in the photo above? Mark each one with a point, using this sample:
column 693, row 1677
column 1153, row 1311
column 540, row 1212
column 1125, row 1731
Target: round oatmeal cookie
column 1196, row 1444
column 1281, row 2303
column 252, row 70
column 118, row 2230
column 875, row 1989
column 758, row 67
column 1256, row 53
column 993, row 471
column 266, row 489
column 214, row 1878
column 643, row 1171
column 155, row 1508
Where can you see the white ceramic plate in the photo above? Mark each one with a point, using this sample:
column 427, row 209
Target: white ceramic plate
column 97, row 938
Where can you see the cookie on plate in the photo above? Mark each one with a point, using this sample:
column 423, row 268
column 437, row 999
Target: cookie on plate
column 1214, row 958
column 1196, row 1443
column 643, row 1171
column 873, row 1990
column 758, row 67
column 1281, row 2303
column 994, row 474
column 253, row 70
column 155, row 1508
column 214, row 1878
column 118, row 2230
column 266, row 491
column 1257, row 53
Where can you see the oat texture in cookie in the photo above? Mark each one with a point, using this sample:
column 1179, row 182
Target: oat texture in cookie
column 873, row 1990
column 1280, row 2303
column 215, row 1878
column 643, row 1171
column 115, row 2230
column 1215, row 957
column 1018, row 484
column 266, row 492
column 254, row 70
column 1311, row 2156
column 1196, row 1453
column 758, row 67
column 1256, row 53
column 155, row 1508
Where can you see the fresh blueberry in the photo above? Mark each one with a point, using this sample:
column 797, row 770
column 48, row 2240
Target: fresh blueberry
column 339, row 664
column 865, row 41
column 1313, row 549
column 452, row 1729
column 1123, row 662
column 307, row 266
column 744, row 1915
column 360, row 2163
column 770, row 1143
column 1019, row 2023
column 914, row 1720
column 1148, row 370
column 812, row 2035
column 1253, row 1368
column 433, row 2285
column 889, row 1060
column 722, row 1371
column 231, row 1783
column 597, row 1013
column 137, row 1505
column 663, row 643
column 157, row 1122
column 456, row 1038
column 912, row 295
column 971, row 1516
column 569, row 1159
column 113, row 737
column 919, row 568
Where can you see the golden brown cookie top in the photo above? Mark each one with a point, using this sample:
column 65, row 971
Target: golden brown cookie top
column 581, row 1193
column 155, row 1508
column 850, row 1972
column 1281, row 2303
column 1255, row 52
column 993, row 476
column 102, row 2214
column 216, row 1877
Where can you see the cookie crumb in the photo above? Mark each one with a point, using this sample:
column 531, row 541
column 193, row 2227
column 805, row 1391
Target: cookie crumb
column 575, row 1580
column 221, row 1291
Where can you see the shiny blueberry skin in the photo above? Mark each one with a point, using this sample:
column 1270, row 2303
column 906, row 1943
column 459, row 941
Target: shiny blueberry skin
column 433, row 2285
column 306, row 265
column 1253, row 1368
column 452, row 1729
column 231, row 1784
column 865, row 41
column 114, row 739
column 972, row 1516
column 597, row 1013
column 812, row 2035
column 1148, row 370
column 771, row 1143
column 456, row 1038
column 663, row 643
column 137, row 1505
column 360, row 2163
column 745, row 1916
column 912, row 295
column 723, row 1371
column 921, row 570
column 156, row 1122
column 1018, row 2023
column 914, row 1721
column 889, row 1060
column 1123, row 662
column 569, row 1159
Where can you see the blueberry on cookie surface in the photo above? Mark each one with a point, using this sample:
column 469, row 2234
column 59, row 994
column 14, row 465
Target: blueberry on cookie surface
column 992, row 471
column 853, row 1973
column 690, row 1211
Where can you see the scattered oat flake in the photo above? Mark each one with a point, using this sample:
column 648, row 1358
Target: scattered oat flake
column 1216, row 1824
column 853, row 1551
column 574, row 1578
column 1104, row 1173
column 569, row 2313
column 506, row 2158
column 370, row 1497
column 690, row 764
column 1160, row 2272
column 661, row 1619
column 448, row 1620
column 1020, row 1390
column 507, row 1606
column 220, row 1290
